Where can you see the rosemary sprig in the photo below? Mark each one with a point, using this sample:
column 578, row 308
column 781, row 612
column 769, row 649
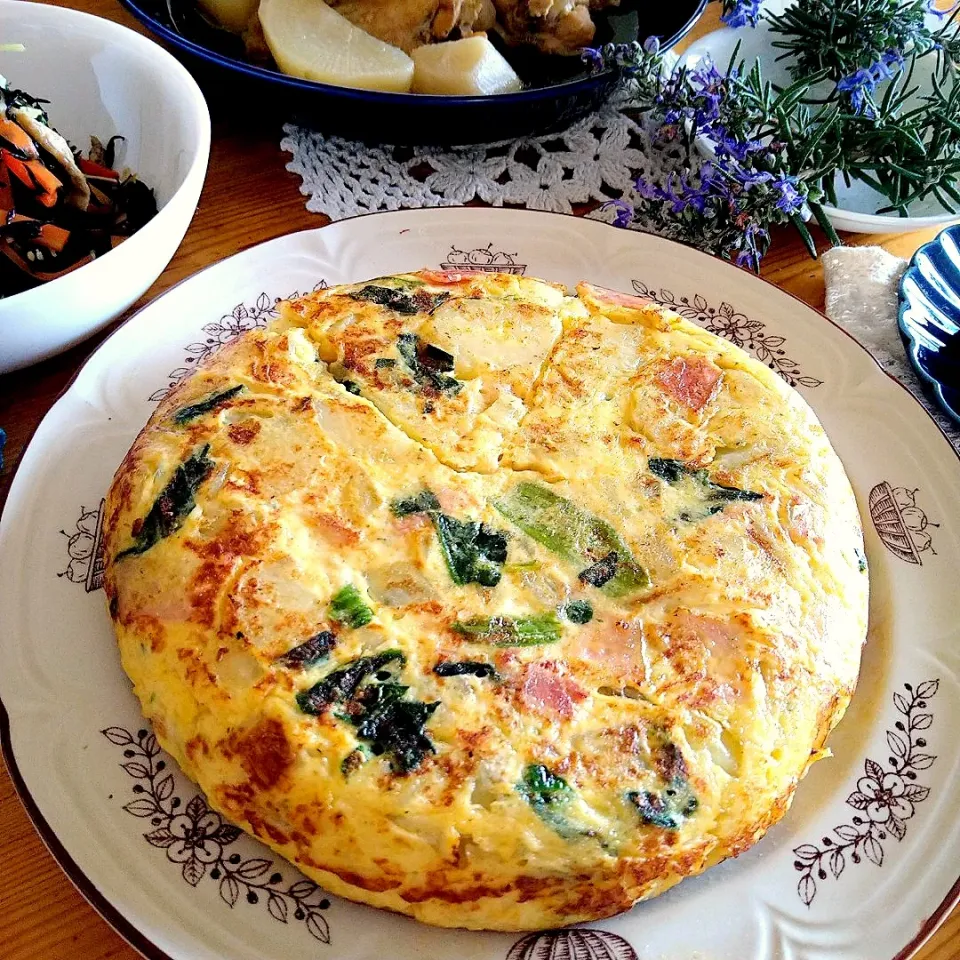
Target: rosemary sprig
column 855, row 111
column 844, row 37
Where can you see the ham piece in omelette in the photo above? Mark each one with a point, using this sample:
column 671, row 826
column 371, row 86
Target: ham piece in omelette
column 484, row 603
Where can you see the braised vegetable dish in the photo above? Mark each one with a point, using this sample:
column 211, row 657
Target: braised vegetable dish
column 59, row 209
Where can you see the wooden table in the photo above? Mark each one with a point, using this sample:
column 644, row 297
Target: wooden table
column 249, row 197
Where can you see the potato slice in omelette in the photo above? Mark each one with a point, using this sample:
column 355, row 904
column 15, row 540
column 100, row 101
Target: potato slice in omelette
column 484, row 603
column 448, row 358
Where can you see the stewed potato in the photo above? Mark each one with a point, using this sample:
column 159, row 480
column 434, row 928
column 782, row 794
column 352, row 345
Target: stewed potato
column 468, row 67
column 310, row 40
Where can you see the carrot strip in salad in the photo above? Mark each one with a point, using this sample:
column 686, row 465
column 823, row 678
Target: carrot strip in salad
column 17, row 167
column 47, row 183
column 92, row 169
column 18, row 138
column 48, row 235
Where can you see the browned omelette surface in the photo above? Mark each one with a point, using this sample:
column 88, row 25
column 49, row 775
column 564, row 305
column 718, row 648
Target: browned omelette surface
column 487, row 604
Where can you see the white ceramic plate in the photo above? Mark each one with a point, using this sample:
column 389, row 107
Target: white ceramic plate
column 862, row 868
column 858, row 202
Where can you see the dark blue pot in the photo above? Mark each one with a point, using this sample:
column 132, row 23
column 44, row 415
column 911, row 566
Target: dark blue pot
column 558, row 90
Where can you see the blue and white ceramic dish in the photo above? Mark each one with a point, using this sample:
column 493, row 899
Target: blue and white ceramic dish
column 929, row 317
column 557, row 89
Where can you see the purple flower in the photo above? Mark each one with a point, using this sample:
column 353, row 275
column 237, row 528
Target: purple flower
column 751, row 178
column 694, row 96
column 648, row 190
column 678, row 192
column 742, row 13
column 624, row 215
column 593, row 58
column 652, row 45
column 749, row 255
column 859, row 86
column 790, row 200
column 740, row 150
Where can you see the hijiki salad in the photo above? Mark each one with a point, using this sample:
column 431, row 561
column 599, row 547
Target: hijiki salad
column 59, row 209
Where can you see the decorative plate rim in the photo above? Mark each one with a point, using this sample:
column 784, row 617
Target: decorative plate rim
column 910, row 341
column 111, row 914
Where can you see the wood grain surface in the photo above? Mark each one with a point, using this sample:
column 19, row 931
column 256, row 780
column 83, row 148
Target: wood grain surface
column 249, row 197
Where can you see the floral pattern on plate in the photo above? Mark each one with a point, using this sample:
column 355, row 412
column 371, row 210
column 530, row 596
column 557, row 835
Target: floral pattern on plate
column 196, row 838
column 726, row 321
column 886, row 799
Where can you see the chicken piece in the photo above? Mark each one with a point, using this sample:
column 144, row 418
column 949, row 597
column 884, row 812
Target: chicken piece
column 553, row 26
column 411, row 23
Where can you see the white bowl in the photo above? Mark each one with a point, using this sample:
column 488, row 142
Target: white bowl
column 859, row 202
column 102, row 79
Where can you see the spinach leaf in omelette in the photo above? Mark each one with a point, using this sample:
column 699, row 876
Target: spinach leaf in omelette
column 400, row 300
column 429, row 364
column 340, row 685
column 548, row 794
column 532, row 631
column 710, row 497
column 352, row 761
column 578, row 611
column 666, row 808
column 669, row 806
column 206, row 405
column 391, row 724
column 465, row 668
column 473, row 552
column 384, row 718
column 576, row 535
column 173, row 505
column 424, row 502
column 309, row 652
column 347, row 606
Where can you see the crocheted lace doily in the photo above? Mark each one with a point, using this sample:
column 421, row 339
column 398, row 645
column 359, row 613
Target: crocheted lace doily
column 592, row 161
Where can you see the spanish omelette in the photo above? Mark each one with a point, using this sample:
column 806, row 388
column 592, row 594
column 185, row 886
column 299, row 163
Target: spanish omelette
column 487, row 604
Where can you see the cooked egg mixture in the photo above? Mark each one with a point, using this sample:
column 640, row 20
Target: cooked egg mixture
column 484, row 603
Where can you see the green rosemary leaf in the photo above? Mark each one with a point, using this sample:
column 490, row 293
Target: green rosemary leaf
column 805, row 236
column 943, row 201
column 950, row 191
column 825, row 225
